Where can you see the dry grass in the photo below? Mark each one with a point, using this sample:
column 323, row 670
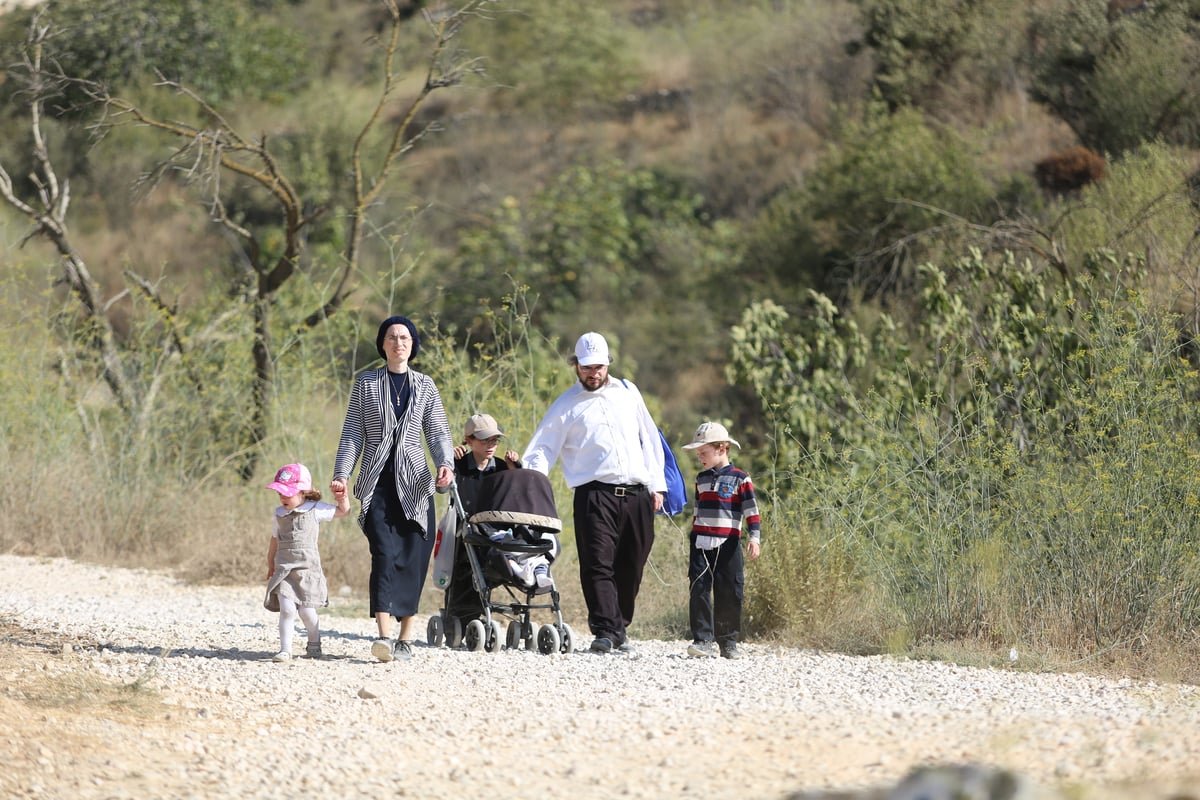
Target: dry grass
column 41, row 682
column 1020, row 132
column 65, row 725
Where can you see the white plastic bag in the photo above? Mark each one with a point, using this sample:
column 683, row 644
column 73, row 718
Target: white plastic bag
column 443, row 548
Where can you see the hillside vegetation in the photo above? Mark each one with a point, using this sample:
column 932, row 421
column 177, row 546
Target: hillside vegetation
column 932, row 261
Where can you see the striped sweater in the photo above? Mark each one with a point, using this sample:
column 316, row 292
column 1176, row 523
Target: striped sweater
column 370, row 433
column 724, row 501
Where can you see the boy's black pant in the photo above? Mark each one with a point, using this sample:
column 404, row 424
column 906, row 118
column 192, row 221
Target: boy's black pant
column 717, row 587
column 462, row 598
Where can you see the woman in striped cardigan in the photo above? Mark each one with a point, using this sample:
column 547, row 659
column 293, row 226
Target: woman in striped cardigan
column 391, row 410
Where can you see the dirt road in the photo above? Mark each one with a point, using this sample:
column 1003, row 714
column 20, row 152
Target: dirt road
column 123, row 683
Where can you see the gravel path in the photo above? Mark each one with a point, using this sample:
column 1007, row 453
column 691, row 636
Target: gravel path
column 226, row 721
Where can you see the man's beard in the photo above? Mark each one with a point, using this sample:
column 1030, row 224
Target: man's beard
column 584, row 382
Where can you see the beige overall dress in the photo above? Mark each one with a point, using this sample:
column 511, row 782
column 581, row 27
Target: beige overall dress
column 298, row 573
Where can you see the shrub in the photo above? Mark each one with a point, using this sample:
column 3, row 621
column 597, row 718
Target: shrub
column 572, row 58
column 1019, row 472
column 1119, row 81
column 888, row 178
column 595, row 239
column 1069, row 170
column 926, row 51
column 1144, row 208
column 218, row 47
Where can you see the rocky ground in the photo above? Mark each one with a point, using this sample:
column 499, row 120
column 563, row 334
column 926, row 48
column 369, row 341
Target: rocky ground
column 121, row 683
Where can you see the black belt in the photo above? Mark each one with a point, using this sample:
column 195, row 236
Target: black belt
column 617, row 489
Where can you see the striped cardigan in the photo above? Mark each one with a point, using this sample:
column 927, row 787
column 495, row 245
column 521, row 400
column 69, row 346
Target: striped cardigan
column 370, row 432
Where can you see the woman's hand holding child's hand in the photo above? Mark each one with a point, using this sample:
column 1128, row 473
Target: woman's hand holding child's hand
column 343, row 500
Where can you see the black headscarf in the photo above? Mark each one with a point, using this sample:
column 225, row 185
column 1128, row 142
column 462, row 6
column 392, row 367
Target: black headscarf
column 383, row 329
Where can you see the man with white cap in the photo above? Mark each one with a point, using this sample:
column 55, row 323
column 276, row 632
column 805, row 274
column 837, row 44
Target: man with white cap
column 611, row 455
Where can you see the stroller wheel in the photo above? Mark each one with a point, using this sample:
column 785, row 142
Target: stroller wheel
column 568, row 640
column 514, row 638
column 549, row 640
column 475, row 637
column 527, row 635
column 495, row 639
column 454, row 632
column 434, row 633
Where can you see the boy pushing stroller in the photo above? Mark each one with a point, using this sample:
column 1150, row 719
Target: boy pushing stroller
column 509, row 542
column 474, row 460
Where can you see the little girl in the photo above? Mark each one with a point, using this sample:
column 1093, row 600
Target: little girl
column 295, row 581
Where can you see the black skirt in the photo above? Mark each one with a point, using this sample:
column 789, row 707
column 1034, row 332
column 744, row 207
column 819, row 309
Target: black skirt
column 400, row 552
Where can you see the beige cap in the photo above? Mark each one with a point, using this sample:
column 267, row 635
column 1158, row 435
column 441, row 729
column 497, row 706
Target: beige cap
column 710, row 433
column 482, row 426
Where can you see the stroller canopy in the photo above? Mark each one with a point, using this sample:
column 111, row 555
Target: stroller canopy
column 517, row 497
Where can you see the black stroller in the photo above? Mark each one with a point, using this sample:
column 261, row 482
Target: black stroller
column 510, row 541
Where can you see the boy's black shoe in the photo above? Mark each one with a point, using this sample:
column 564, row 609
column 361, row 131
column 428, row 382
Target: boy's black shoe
column 730, row 650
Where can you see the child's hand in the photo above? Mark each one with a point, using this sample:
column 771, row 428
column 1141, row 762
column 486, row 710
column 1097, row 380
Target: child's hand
column 460, row 451
column 753, row 549
column 513, row 458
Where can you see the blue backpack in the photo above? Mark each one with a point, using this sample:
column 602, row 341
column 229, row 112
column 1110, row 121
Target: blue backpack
column 676, row 497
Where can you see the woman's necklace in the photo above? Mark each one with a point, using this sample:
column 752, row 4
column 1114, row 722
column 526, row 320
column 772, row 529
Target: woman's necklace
column 399, row 381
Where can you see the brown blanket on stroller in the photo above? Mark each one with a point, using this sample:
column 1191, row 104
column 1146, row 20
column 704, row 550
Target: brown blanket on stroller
column 517, row 496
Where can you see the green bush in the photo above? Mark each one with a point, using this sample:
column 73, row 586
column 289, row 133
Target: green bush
column 1143, row 207
column 888, row 178
column 593, row 240
column 572, row 58
column 1119, row 82
column 924, row 50
column 1023, row 474
column 220, row 48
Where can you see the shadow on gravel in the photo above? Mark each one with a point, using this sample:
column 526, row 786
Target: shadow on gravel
column 54, row 643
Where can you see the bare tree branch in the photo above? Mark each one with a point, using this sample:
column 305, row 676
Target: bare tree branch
column 48, row 217
column 209, row 148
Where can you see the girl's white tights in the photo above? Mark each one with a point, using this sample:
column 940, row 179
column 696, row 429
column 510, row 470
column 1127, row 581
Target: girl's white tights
column 288, row 612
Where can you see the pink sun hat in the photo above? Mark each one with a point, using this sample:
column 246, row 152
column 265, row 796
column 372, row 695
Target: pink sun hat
column 291, row 479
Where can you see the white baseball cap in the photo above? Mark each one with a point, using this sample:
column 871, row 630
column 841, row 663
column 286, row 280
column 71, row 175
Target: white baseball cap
column 710, row 433
column 591, row 349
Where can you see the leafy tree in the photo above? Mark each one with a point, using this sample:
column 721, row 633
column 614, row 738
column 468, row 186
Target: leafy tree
column 888, row 179
column 588, row 238
column 221, row 160
column 571, row 58
column 1119, row 81
column 219, row 47
column 925, row 49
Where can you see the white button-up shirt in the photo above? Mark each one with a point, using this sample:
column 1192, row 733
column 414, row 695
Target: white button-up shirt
column 607, row 435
